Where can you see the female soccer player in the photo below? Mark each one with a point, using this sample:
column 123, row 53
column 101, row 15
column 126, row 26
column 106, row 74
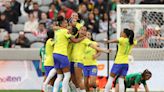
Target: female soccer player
column 125, row 44
column 90, row 65
column 60, row 54
column 49, row 62
column 78, row 54
column 134, row 80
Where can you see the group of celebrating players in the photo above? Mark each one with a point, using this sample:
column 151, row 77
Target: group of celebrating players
column 70, row 59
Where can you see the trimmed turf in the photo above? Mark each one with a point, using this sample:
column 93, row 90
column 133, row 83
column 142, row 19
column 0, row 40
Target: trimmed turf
column 20, row 91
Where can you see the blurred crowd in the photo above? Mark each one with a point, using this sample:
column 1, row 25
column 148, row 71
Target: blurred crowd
column 24, row 23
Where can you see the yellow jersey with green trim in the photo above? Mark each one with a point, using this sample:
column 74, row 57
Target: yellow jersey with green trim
column 49, row 53
column 124, row 49
column 89, row 53
column 78, row 51
column 61, row 41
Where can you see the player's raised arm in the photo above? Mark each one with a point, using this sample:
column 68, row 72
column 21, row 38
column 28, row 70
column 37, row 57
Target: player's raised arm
column 76, row 40
column 112, row 41
column 99, row 49
column 142, row 37
column 161, row 38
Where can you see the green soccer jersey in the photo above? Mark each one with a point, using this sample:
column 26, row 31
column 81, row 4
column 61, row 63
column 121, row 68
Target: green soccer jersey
column 42, row 55
column 135, row 78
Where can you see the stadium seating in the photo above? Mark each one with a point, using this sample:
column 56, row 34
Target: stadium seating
column 37, row 45
column 101, row 36
column 14, row 36
column 31, row 37
column 2, row 34
column 22, row 19
column 38, row 1
column 17, row 28
column 46, row 2
column 44, row 8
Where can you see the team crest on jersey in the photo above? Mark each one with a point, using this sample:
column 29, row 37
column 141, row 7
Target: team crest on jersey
column 94, row 70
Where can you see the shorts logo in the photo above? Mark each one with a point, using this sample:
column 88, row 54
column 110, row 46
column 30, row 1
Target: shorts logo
column 94, row 70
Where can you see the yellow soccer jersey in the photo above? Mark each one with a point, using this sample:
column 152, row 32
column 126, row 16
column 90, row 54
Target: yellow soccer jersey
column 49, row 51
column 124, row 49
column 89, row 53
column 61, row 41
column 78, row 51
column 70, row 47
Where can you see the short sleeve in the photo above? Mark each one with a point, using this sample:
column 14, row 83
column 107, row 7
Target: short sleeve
column 120, row 40
column 144, row 83
column 87, row 42
column 66, row 34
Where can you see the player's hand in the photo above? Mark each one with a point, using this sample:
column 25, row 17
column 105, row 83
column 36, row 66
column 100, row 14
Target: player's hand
column 105, row 41
column 108, row 51
column 158, row 37
column 95, row 57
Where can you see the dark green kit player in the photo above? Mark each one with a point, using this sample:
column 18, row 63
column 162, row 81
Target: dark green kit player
column 42, row 58
column 134, row 80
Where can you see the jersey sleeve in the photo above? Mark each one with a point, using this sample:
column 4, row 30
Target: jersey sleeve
column 66, row 34
column 87, row 42
column 144, row 83
column 120, row 40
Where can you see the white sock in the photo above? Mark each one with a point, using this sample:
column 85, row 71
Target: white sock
column 50, row 76
column 66, row 79
column 121, row 85
column 44, row 88
column 72, row 86
column 109, row 84
column 49, row 88
column 57, row 82
column 83, row 90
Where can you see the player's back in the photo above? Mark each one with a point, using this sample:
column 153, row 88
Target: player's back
column 61, row 41
column 131, row 79
column 124, row 49
column 49, row 51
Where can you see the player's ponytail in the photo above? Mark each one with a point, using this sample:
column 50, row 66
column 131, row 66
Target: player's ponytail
column 130, row 35
column 146, row 73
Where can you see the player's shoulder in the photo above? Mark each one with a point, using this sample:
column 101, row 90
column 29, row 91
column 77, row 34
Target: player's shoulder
column 87, row 40
column 94, row 42
column 64, row 29
column 50, row 40
column 138, row 75
column 121, row 39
